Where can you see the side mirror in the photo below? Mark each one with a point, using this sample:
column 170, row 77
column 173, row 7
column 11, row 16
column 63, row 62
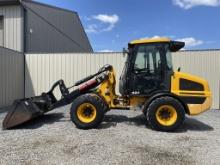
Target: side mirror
column 125, row 52
column 179, row 69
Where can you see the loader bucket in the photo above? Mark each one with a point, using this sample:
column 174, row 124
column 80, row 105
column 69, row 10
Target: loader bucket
column 21, row 112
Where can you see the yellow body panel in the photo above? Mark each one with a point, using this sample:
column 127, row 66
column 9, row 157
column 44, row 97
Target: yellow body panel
column 107, row 91
column 194, row 109
column 150, row 40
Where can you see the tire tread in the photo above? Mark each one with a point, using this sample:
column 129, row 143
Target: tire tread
column 166, row 99
column 100, row 105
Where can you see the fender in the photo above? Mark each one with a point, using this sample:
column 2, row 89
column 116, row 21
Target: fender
column 164, row 94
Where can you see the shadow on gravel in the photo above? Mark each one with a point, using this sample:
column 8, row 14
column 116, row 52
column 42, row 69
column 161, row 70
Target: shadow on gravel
column 190, row 124
column 40, row 121
column 112, row 120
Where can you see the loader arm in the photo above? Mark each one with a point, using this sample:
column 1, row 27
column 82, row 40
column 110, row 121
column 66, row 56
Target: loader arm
column 24, row 110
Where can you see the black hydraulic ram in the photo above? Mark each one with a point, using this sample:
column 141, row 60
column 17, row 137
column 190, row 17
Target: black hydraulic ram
column 24, row 110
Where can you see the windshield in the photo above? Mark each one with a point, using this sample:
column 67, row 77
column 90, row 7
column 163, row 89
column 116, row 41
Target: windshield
column 148, row 59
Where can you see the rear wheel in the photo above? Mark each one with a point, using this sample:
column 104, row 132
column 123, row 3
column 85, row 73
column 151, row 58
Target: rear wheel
column 88, row 111
column 165, row 114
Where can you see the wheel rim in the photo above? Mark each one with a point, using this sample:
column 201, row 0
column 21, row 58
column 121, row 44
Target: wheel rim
column 166, row 115
column 86, row 112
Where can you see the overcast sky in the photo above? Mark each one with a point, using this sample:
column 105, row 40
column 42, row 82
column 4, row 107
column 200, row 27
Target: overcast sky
column 110, row 24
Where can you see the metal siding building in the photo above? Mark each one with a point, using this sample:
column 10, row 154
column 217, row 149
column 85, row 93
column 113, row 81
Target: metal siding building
column 13, row 24
column 42, row 70
column 12, row 76
column 30, row 26
column 26, row 27
column 47, row 30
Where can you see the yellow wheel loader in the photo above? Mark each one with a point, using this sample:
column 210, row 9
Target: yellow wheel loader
column 147, row 82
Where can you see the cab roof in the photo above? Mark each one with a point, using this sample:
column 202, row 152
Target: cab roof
column 174, row 45
column 150, row 40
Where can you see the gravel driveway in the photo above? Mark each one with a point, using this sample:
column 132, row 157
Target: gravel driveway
column 123, row 138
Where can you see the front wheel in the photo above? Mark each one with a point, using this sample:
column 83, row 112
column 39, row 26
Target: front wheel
column 87, row 111
column 165, row 114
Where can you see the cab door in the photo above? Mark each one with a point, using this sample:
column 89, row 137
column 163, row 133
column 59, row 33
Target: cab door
column 147, row 69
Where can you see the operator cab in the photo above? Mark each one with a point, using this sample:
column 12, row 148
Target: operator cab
column 148, row 68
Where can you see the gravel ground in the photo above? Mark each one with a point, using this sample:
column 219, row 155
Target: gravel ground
column 123, row 138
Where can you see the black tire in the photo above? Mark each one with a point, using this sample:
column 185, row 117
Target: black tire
column 154, row 107
column 99, row 106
